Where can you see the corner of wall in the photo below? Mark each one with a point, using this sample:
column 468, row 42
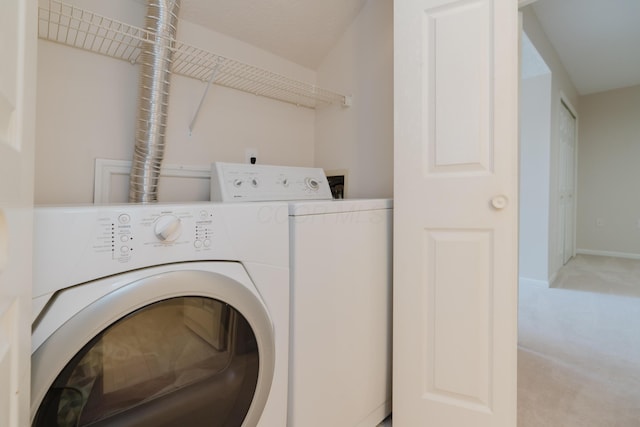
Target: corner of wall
column 360, row 138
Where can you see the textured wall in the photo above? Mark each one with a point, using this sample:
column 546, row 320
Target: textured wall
column 535, row 157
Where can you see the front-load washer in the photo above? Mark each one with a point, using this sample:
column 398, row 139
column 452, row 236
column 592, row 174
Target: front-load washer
column 341, row 293
column 160, row 315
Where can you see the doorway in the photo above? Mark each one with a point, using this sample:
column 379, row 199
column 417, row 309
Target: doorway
column 548, row 148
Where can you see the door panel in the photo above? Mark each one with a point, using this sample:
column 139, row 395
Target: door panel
column 457, row 148
column 455, row 232
column 458, row 327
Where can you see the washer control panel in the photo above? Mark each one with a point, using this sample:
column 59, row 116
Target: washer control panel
column 128, row 233
column 76, row 244
column 237, row 182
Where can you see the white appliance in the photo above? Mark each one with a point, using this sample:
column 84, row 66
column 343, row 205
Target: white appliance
column 341, row 287
column 160, row 315
column 234, row 182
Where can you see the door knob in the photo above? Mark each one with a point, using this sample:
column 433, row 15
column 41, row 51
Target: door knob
column 499, row 202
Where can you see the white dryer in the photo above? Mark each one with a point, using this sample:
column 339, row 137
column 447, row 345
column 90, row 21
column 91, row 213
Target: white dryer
column 341, row 293
column 160, row 315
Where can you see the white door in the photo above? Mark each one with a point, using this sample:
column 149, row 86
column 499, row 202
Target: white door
column 567, row 131
column 18, row 40
column 455, row 211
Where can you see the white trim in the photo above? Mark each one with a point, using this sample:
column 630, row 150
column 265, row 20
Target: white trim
column 106, row 169
column 525, row 281
column 608, row 253
column 565, row 99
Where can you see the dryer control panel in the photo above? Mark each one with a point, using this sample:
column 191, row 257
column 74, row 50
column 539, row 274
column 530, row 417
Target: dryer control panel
column 237, row 182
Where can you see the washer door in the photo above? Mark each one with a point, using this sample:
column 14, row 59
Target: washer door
column 184, row 348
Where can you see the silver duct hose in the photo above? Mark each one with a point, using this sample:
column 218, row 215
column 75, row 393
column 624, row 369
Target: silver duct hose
column 153, row 100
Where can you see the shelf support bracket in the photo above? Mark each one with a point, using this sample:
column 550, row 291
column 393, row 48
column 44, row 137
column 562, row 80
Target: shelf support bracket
column 214, row 72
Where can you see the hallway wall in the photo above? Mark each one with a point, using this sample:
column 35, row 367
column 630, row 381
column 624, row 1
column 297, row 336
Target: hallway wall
column 561, row 85
column 608, row 220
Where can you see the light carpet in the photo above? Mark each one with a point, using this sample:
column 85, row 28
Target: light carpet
column 579, row 346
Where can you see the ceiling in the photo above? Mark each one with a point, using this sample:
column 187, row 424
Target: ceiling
column 598, row 41
column 302, row 31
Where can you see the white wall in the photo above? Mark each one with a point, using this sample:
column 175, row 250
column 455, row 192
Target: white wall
column 535, row 156
column 608, row 173
column 360, row 138
column 87, row 107
column 560, row 84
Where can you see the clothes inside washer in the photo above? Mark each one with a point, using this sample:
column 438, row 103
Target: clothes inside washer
column 157, row 354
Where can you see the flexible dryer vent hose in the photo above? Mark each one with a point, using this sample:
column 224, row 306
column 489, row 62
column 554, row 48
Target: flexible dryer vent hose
column 153, row 99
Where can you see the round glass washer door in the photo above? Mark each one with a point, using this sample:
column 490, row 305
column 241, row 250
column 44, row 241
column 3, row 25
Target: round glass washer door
column 201, row 358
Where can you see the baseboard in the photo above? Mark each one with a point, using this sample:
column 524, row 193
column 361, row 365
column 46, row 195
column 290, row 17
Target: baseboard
column 525, row 281
column 608, row 253
column 553, row 277
column 377, row 416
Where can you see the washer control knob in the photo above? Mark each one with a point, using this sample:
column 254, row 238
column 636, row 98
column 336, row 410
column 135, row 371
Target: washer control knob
column 168, row 228
column 312, row 184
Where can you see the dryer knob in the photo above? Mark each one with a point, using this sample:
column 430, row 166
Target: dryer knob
column 312, row 184
column 168, row 228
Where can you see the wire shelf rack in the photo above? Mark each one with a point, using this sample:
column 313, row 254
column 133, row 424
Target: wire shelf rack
column 72, row 26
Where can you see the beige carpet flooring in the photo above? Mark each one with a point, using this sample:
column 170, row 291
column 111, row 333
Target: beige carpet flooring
column 579, row 347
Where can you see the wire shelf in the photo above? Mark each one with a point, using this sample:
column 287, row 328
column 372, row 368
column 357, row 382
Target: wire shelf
column 69, row 25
